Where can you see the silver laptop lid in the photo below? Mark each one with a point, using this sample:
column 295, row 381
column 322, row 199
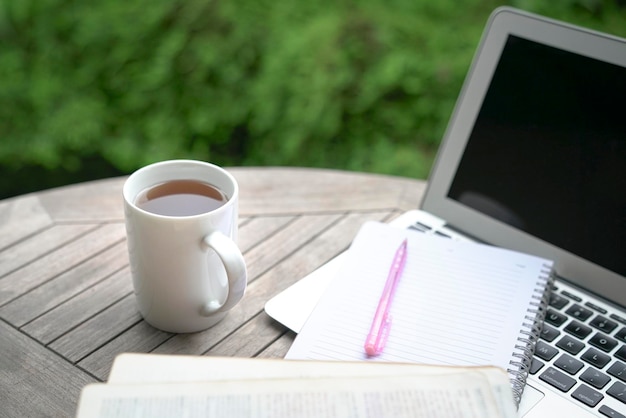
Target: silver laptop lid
column 534, row 157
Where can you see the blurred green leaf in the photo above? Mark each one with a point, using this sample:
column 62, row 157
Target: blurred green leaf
column 93, row 88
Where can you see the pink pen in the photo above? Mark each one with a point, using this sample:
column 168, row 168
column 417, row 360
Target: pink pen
column 377, row 337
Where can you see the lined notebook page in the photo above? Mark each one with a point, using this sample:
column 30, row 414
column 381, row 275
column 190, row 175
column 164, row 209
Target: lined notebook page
column 457, row 303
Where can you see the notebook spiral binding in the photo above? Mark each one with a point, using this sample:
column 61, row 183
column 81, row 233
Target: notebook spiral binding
column 530, row 334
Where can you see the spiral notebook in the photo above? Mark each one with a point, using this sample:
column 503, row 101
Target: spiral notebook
column 457, row 303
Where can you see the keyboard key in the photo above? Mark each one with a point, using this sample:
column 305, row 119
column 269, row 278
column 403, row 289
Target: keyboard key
column 596, row 358
column 618, row 318
column 544, row 351
column 557, row 379
column 618, row 369
column 621, row 335
column 568, row 364
column 571, row 345
column 549, row 333
column 610, row 412
column 579, row 312
column 536, row 365
column 577, row 329
column 621, row 353
column 595, row 378
column 595, row 307
column 571, row 296
column 603, row 342
column 558, row 301
column 418, row 226
column 603, row 324
column 555, row 318
column 618, row 391
column 588, row 396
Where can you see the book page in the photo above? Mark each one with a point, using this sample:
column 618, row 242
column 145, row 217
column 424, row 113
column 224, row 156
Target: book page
column 457, row 303
column 135, row 368
column 452, row 395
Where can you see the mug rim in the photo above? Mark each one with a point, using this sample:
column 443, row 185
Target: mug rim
column 130, row 200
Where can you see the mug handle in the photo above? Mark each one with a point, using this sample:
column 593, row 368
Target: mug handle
column 235, row 268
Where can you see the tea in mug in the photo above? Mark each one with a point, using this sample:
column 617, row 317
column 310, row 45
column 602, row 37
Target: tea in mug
column 181, row 198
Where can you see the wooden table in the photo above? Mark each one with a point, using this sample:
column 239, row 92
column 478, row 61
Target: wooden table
column 66, row 301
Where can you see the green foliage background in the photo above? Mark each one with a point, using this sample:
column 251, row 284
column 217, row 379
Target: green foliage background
column 93, row 89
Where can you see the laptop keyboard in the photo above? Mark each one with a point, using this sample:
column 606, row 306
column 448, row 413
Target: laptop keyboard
column 582, row 350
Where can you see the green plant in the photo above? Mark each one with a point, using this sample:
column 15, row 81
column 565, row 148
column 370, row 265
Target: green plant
column 94, row 89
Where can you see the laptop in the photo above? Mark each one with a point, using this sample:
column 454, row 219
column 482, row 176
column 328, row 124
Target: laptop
column 534, row 159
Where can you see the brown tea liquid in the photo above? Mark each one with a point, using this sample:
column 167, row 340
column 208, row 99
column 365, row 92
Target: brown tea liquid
column 181, row 198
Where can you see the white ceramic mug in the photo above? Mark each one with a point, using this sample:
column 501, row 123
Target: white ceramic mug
column 187, row 270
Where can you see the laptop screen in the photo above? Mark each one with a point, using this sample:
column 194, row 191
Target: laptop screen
column 547, row 152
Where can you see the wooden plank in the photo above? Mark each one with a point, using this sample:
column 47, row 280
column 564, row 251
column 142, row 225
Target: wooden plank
column 98, row 330
column 65, row 286
column 59, row 261
column 35, row 382
column 248, row 341
column 94, row 201
column 319, row 251
column 75, row 311
column 308, row 190
column 280, row 347
column 38, row 245
column 258, row 229
column 141, row 338
column 21, row 217
column 278, row 246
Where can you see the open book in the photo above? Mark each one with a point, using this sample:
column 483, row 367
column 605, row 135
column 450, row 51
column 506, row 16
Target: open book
column 456, row 303
column 150, row 385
